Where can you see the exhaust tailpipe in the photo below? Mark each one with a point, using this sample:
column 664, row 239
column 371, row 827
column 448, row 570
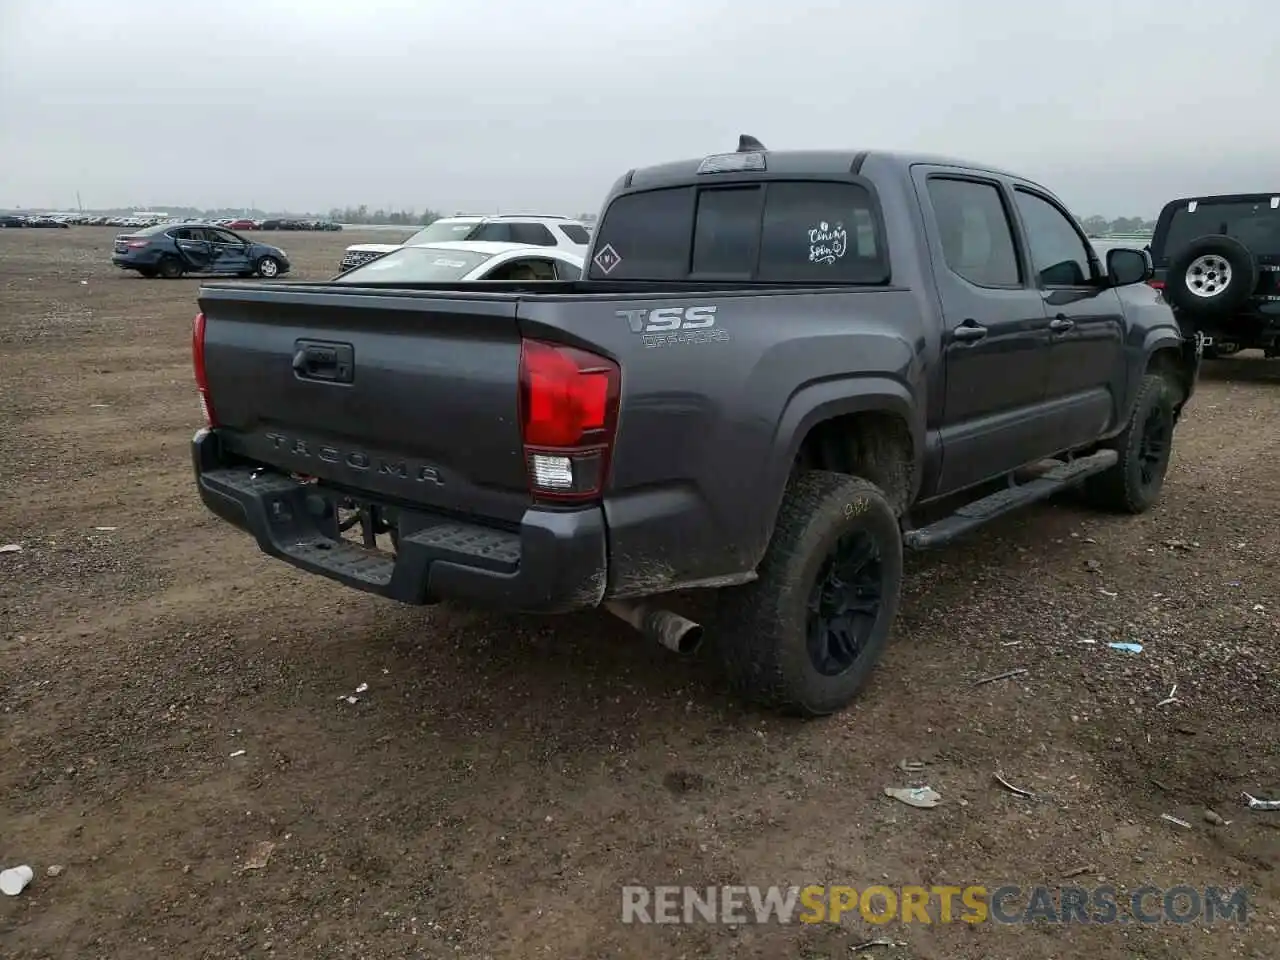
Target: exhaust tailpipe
column 673, row 631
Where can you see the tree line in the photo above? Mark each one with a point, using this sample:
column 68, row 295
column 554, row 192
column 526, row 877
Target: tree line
column 401, row 218
column 362, row 214
column 1097, row 225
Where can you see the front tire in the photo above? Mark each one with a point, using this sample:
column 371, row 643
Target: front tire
column 268, row 268
column 806, row 634
column 1134, row 483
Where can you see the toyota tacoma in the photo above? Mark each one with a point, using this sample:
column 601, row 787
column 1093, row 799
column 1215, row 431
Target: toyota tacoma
column 781, row 369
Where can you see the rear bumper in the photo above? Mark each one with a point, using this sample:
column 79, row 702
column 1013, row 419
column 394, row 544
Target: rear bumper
column 136, row 261
column 1251, row 328
column 554, row 563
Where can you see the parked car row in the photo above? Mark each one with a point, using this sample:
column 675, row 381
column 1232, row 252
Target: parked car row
column 273, row 224
column 9, row 221
column 234, row 223
column 75, row 220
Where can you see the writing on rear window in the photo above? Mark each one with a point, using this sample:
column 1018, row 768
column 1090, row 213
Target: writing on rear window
column 827, row 242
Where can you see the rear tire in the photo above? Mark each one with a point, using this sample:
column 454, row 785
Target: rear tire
column 806, row 634
column 170, row 268
column 1134, row 483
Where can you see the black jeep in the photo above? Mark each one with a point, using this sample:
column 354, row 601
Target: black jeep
column 1217, row 259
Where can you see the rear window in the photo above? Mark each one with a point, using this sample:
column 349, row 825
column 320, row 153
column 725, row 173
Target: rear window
column 416, row 265
column 444, row 230
column 576, row 233
column 1253, row 222
column 780, row 231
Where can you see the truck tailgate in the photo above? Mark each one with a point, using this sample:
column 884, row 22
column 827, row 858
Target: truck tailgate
column 411, row 397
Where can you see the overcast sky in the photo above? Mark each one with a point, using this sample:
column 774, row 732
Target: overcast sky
column 508, row 105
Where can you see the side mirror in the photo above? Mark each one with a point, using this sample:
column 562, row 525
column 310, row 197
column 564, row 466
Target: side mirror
column 1129, row 266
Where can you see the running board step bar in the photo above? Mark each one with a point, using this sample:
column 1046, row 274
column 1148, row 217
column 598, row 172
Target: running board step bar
column 975, row 514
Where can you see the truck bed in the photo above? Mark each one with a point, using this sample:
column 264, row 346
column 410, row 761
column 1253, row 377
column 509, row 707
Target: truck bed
column 429, row 428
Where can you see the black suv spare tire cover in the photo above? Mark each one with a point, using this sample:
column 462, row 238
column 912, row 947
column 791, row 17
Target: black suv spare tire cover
column 1197, row 283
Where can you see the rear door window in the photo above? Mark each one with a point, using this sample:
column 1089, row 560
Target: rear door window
column 494, row 232
column 780, row 231
column 534, row 233
column 973, row 225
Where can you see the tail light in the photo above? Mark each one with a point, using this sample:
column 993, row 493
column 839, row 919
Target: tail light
column 1157, row 284
column 137, row 244
column 568, row 417
column 202, row 377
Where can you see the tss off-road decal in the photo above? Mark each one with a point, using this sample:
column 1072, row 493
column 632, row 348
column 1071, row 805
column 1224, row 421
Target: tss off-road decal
column 670, row 326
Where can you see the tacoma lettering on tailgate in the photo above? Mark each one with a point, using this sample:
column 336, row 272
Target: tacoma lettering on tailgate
column 356, row 459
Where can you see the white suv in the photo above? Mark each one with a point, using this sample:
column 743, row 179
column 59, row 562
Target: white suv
column 561, row 232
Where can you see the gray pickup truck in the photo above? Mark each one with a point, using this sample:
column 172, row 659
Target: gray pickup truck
column 779, row 370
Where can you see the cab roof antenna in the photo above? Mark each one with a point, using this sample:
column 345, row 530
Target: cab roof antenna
column 749, row 144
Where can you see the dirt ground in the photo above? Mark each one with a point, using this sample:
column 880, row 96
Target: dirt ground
column 172, row 699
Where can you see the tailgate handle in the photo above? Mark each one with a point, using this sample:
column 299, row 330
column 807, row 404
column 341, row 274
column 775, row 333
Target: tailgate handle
column 324, row 361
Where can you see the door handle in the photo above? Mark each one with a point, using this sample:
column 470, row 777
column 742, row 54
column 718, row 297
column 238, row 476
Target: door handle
column 1061, row 324
column 320, row 360
column 969, row 331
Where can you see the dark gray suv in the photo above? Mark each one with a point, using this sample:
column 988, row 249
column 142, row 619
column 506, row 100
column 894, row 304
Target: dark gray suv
column 1217, row 258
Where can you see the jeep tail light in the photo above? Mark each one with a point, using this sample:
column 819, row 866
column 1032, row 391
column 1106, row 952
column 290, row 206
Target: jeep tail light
column 202, row 377
column 568, row 418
